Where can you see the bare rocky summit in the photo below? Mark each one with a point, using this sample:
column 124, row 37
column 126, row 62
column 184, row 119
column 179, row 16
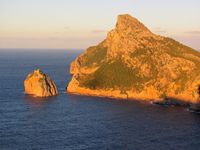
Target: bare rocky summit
column 39, row 84
column 134, row 63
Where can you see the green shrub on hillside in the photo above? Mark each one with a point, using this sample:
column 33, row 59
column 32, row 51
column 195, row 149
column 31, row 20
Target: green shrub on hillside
column 94, row 55
column 113, row 74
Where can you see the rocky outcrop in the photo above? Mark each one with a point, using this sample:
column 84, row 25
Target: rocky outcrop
column 39, row 84
column 134, row 63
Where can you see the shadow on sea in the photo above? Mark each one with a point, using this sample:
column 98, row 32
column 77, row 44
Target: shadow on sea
column 174, row 102
column 38, row 102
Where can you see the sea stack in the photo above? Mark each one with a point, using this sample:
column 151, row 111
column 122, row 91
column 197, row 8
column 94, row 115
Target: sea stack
column 39, row 84
column 134, row 63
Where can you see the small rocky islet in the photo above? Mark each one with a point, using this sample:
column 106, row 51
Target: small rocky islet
column 38, row 84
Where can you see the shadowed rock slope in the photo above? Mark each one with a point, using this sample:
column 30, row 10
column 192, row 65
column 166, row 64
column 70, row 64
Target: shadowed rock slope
column 134, row 63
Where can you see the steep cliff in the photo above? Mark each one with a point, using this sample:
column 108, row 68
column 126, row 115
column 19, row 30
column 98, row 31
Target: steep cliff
column 39, row 84
column 134, row 63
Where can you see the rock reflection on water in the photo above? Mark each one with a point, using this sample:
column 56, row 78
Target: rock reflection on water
column 38, row 102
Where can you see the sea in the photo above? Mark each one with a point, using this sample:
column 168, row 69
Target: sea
column 74, row 122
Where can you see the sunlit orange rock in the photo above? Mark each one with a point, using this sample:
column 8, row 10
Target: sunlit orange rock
column 39, row 84
column 134, row 63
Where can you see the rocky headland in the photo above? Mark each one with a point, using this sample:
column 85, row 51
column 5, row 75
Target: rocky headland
column 39, row 84
column 134, row 63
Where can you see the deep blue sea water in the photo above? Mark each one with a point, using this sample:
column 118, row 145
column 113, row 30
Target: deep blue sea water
column 74, row 122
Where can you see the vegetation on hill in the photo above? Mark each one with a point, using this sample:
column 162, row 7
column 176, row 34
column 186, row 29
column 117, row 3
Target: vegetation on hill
column 112, row 74
column 94, row 55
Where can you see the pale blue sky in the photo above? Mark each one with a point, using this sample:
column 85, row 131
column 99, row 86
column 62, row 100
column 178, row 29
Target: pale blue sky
column 81, row 23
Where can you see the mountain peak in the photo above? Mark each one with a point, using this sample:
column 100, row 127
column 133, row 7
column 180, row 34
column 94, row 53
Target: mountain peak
column 128, row 34
column 126, row 21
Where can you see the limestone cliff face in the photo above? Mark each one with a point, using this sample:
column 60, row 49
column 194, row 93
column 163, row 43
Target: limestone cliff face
column 39, row 84
column 134, row 63
column 126, row 36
